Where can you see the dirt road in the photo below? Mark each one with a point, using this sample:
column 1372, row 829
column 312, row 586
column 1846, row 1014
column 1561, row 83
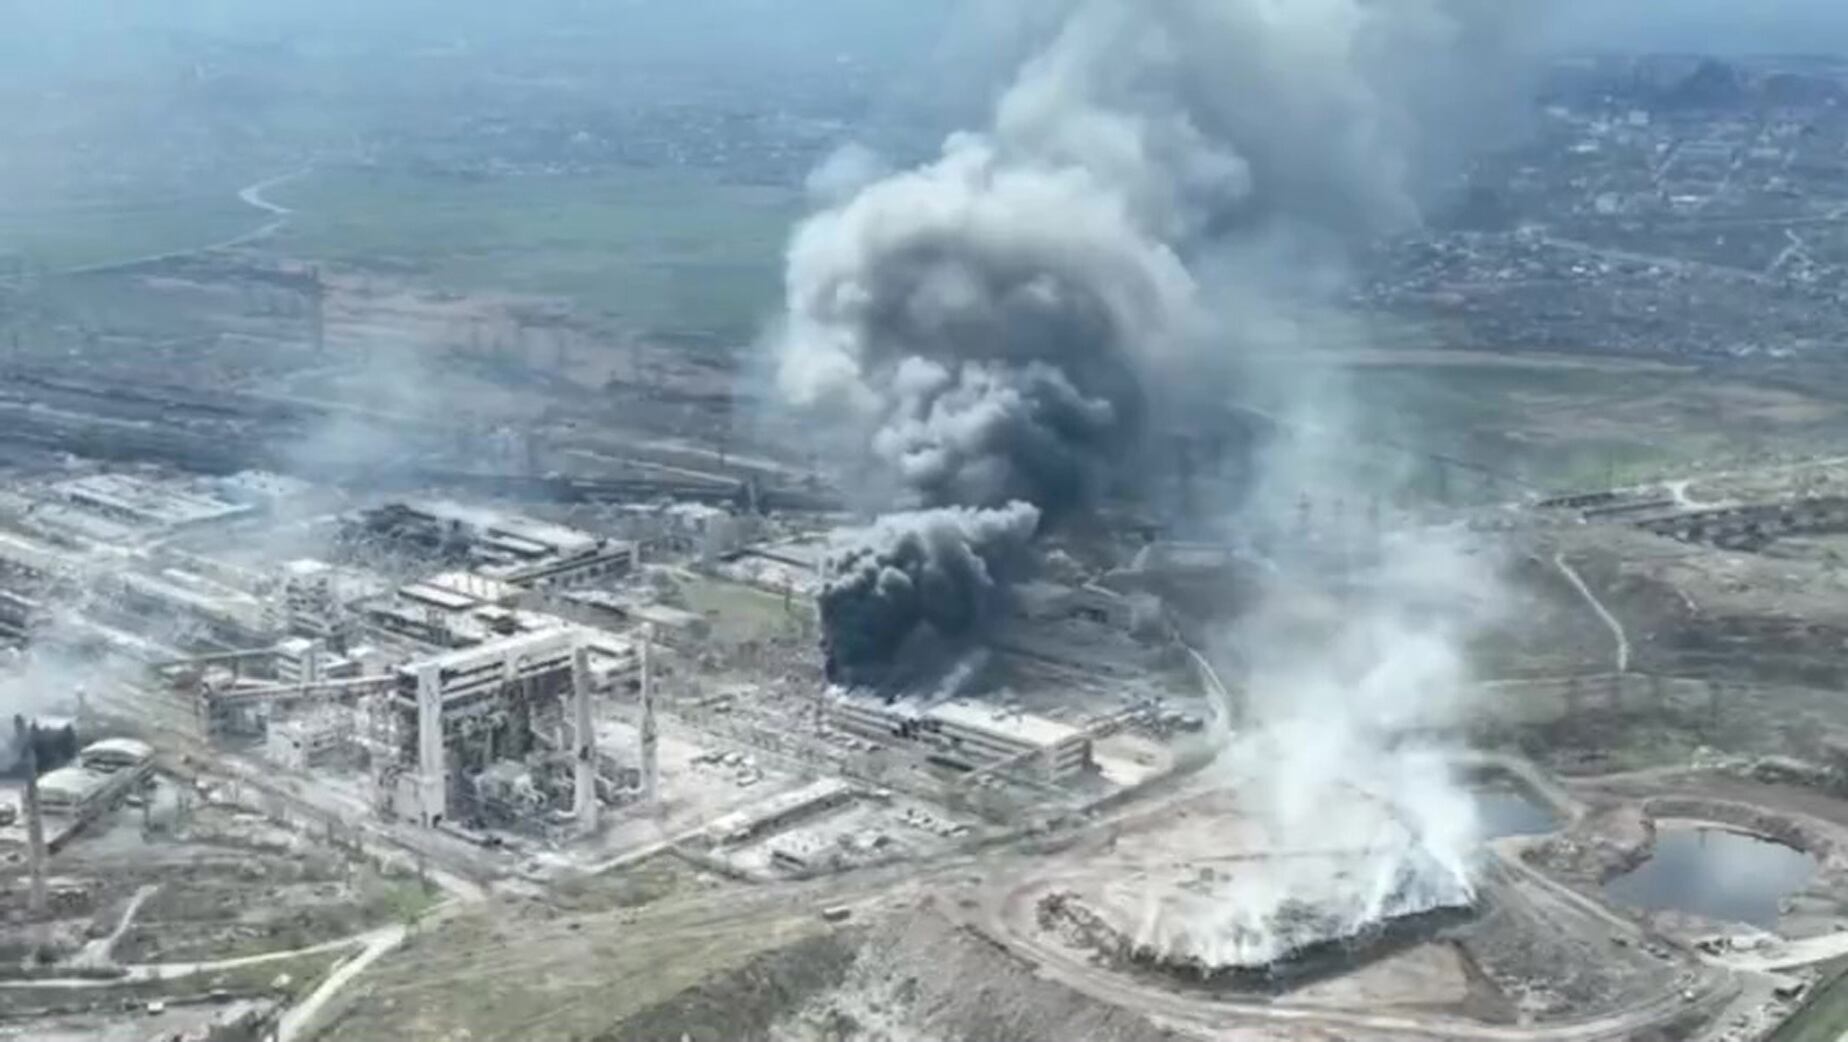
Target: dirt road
column 1610, row 621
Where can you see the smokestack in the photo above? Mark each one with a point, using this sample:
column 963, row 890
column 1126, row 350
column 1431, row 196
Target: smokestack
column 35, row 823
column 650, row 764
column 584, row 747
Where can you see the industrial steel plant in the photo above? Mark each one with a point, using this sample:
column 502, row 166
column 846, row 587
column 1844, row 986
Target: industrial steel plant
column 1109, row 520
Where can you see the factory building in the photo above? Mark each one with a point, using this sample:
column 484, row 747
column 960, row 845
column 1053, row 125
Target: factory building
column 21, row 557
column 435, row 601
column 524, row 552
column 28, row 571
column 310, row 607
column 115, row 754
column 793, row 567
column 72, row 792
column 19, row 613
column 299, row 660
column 143, row 504
column 233, row 615
column 967, row 735
column 306, row 741
column 1055, row 602
column 780, row 811
column 672, row 627
column 460, row 711
column 105, row 772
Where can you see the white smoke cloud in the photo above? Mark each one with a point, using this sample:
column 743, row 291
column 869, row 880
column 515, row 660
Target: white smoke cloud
column 1334, row 697
column 1365, row 818
column 847, row 170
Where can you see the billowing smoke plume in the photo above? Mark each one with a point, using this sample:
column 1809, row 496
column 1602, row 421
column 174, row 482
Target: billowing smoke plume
column 1335, row 692
column 994, row 324
column 998, row 325
column 943, row 567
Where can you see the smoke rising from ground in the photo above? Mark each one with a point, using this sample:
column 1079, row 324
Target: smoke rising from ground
column 1006, row 324
column 1000, row 325
column 1323, row 759
column 943, row 567
column 994, row 323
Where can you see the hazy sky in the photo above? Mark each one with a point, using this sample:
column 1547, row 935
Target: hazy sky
column 1718, row 26
column 66, row 32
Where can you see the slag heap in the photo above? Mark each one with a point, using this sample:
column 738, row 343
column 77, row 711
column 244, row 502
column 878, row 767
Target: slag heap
column 1266, row 914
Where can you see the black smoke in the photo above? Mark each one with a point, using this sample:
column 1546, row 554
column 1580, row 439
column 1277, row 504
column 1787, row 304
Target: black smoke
column 945, row 568
column 1000, row 325
column 984, row 325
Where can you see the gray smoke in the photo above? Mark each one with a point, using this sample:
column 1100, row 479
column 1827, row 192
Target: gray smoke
column 943, row 567
column 999, row 325
column 994, row 324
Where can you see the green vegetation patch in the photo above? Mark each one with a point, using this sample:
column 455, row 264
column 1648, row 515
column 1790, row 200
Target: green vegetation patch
column 660, row 251
column 634, row 886
column 302, row 972
column 1823, row 1017
column 42, row 238
column 1578, row 427
column 741, row 614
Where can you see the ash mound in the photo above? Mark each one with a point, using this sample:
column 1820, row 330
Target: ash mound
column 1271, row 915
column 1262, row 916
column 911, row 974
column 1224, row 927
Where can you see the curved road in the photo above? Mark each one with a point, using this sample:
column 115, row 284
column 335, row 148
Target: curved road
column 138, row 972
column 302, row 1014
column 1610, row 621
column 96, row 952
column 251, row 195
column 1709, row 992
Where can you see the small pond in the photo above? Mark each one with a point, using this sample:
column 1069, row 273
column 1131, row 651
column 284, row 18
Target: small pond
column 1716, row 874
column 1505, row 810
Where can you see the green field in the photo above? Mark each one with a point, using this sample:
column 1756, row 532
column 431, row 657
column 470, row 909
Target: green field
column 1823, row 1017
column 657, row 251
column 1565, row 426
column 48, row 236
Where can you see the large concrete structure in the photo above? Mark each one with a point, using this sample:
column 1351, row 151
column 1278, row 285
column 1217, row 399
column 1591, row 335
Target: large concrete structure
column 584, row 739
column 650, row 740
column 35, row 825
column 966, row 734
column 148, row 505
column 309, row 606
column 522, row 551
column 464, row 709
column 1754, row 525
